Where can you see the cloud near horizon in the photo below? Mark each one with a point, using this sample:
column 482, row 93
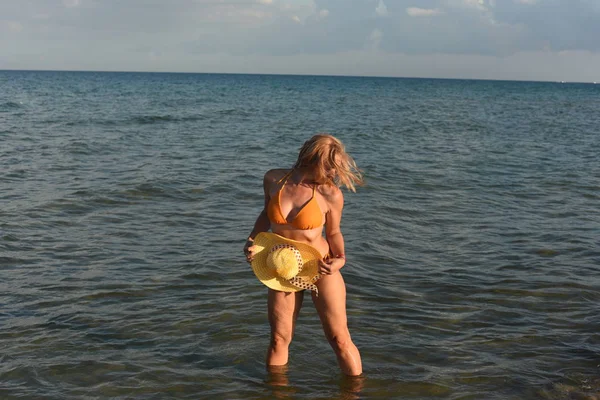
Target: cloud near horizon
column 423, row 12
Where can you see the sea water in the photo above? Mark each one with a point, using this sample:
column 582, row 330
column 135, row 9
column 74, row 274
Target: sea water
column 126, row 198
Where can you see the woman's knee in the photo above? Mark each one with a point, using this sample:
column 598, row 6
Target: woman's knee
column 280, row 339
column 340, row 342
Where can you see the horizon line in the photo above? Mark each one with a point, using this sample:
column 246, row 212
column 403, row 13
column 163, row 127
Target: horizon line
column 293, row 74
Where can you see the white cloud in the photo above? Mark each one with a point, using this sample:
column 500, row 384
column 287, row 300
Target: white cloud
column 381, row 9
column 256, row 14
column 12, row 26
column 423, row 12
column 71, row 3
column 154, row 56
column 266, row 2
column 297, row 10
column 375, row 38
column 234, row 14
column 323, row 13
column 474, row 3
column 469, row 4
column 485, row 9
column 15, row 26
column 525, row 1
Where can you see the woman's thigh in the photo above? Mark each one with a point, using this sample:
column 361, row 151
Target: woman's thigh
column 283, row 309
column 331, row 304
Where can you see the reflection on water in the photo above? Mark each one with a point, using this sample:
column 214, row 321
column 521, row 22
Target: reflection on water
column 576, row 387
column 278, row 381
column 351, row 387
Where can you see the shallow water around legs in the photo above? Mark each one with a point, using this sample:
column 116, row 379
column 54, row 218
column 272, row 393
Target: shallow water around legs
column 473, row 262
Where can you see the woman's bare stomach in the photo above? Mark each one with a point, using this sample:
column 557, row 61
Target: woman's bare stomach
column 314, row 237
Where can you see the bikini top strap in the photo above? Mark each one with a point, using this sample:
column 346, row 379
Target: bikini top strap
column 285, row 177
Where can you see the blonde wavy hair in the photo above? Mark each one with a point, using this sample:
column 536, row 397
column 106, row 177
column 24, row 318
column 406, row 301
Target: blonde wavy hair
column 323, row 153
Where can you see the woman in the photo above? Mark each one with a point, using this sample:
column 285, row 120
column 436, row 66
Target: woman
column 299, row 203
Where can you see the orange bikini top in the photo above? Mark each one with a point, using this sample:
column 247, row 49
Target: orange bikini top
column 309, row 217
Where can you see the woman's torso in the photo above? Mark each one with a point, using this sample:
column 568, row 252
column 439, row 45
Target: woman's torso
column 297, row 211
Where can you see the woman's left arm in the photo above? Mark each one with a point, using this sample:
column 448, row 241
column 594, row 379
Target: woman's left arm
column 333, row 234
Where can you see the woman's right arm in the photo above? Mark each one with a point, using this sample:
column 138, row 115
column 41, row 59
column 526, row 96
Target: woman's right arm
column 262, row 223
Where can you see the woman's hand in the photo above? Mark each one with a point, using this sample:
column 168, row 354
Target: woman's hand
column 331, row 265
column 249, row 250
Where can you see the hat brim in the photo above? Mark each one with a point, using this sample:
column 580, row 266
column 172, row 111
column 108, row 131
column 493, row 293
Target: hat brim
column 264, row 242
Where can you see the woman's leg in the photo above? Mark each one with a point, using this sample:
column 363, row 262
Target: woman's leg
column 283, row 308
column 331, row 307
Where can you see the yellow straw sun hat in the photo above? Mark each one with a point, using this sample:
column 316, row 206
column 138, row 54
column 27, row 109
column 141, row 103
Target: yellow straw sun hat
column 284, row 264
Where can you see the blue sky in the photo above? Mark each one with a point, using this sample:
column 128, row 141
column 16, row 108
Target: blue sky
column 483, row 39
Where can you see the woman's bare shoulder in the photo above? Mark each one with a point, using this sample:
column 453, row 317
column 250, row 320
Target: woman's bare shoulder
column 274, row 175
column 331, row 193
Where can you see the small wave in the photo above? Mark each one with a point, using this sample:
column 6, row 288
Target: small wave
column 137, row 120
column 79, row 147
column 192, row 118
column 144, row 190
column 152, row 190
column 153, row 119
column 10, row 105
column 195, row 276
column 86, row 122
column 546, row 252
column 116, row 294
column 233, row 112
column 10, row 261
column 8, row 237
